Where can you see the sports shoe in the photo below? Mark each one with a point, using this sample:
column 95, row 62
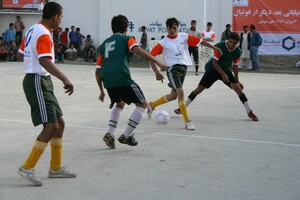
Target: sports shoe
column 30, row 176
column 109, row 140
column 130, row 140
column 62, row 173
column 189, row 125
column 196, row 73
column 177, row 111
column 149, row 110
column 252, row 116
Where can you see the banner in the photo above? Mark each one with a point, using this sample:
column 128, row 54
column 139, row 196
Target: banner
column 26, row 4
column 278, row 22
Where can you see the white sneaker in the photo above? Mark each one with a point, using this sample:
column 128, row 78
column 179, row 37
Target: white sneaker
column 30, row 176
column 189, row 125
column 149, row 110
column 62, row 173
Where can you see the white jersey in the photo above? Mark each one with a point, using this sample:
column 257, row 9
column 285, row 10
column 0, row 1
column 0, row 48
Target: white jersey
column 37, row 43
column 175, row 50
column 209, row 34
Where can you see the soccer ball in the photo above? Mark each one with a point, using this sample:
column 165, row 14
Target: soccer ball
column 161, row 117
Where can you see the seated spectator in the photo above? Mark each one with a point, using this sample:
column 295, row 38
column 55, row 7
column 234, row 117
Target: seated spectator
column 71, row 53
column 3, row 53
column 59, row 52
column 91, row 54
column 12, row 51
column 88, row 42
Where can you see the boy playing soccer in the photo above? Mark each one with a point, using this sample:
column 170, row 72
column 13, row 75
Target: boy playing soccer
column 37, row 52
column 112, row 69
column 174, row 49
column 220, row 68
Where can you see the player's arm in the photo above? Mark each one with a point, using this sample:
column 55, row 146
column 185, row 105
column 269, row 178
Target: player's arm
column 216, row 65
column 156, row 50
column 98, row 78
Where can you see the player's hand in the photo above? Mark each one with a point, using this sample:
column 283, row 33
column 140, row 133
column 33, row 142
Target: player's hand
column 162, row 66
column 219, row 51
column 101, row 97
column 68, row 86
column 225, row 78
column 241, row 86
column 159, row 77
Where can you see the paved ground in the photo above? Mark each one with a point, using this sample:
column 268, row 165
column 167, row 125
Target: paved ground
column 228, row 157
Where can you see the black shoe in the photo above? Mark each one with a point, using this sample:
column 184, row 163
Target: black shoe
column 109, row 140
column 130, row 140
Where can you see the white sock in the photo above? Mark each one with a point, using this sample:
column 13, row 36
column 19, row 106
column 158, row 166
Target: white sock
column 113, row 120
column 187, row 102
column 247, row 107
column 133, row 121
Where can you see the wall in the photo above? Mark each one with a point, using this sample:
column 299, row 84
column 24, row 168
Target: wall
column 95, row 16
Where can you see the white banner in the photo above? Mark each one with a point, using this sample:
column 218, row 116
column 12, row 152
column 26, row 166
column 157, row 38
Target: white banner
column 280, row 44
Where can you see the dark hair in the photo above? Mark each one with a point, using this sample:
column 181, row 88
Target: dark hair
column 228, row 25
column 143, row 27
column 67, row 29
column 246, row 26
column 252, row 27
column 119, row 24
column 234, row 36
column 18, row 17
column 77, row 29
column 193, row 21
column 171, row 22
column 209, row 24
column 51, row 9
column 88, row 36
column 11, row 24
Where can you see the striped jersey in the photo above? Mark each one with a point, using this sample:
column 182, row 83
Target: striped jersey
column 175, row 50
column 37, row 43
column 228, row 57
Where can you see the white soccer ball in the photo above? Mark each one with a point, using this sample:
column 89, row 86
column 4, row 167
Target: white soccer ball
column 161, row 117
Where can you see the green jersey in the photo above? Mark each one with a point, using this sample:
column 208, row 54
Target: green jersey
column 114, row 52
column 226, row 59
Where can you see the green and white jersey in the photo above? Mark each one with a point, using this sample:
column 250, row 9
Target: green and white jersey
column 113, row 60
column 225, row 60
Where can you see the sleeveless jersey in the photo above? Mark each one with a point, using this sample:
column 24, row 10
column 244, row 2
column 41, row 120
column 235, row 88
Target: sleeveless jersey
column 226, row 59
column 113, row 60
column 37, row 43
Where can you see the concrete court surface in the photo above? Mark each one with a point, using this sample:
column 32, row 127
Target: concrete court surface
column 227, row 157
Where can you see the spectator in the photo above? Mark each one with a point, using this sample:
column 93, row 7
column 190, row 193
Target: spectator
column 245, row 46
column 255, row 42
column 207, row 53
column 64, row 37
column 59, row 52
column 12, row 51
column 89, row 42
column 71, row 53
column 9, row 34
column 59, row 35
column 144, row 38
column 192, row 49
column 80, row 38
column 91, row 54
column 73, row 37
column 3, row 53
column 19, row 26
column 226, row 33
column 1, row 40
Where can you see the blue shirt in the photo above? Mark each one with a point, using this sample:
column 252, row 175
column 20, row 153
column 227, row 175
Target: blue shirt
column 73, row 36
column 9, row 35
column 256, row 39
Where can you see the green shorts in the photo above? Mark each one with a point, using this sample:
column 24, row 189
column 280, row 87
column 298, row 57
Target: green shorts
column 176, row 75
column 43, row 103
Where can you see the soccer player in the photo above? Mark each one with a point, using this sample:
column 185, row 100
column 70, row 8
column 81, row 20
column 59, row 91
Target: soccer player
column 112, row 69
column 174, row 49
column 220, row 68
column 37, row 52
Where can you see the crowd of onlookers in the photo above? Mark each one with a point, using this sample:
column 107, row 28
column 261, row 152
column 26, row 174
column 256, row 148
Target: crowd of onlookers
column 68, row 44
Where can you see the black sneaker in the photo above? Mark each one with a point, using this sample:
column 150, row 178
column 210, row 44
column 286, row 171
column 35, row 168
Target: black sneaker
column 130, row 140
column 109, row 140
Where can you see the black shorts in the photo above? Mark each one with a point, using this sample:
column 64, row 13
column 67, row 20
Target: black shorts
column 209, row 78
column 129, row 94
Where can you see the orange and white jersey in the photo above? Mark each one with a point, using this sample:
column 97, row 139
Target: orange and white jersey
column 37, row 43
column 209, row 34
column 175, row 50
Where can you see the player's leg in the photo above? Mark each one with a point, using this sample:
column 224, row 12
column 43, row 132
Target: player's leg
column 109, row 137
column 132, row 94
column 238, row 90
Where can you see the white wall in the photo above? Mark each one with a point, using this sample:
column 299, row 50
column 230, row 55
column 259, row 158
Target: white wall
column 94, row 16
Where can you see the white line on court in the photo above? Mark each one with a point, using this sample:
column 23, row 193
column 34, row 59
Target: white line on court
column 175, row 135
